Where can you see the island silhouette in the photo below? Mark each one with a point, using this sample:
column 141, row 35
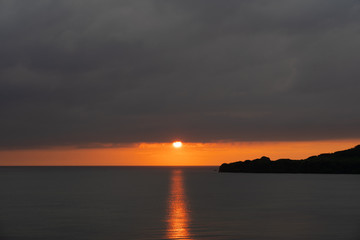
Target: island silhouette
column 341, row 162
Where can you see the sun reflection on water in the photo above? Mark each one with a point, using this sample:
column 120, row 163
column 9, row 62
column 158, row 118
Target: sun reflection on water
column 178, row 217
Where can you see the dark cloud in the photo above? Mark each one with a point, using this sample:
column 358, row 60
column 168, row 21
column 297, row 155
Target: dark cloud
column 94, row 72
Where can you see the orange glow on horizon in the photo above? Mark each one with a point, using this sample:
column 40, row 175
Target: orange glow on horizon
column 164, row 154
column 178, row 218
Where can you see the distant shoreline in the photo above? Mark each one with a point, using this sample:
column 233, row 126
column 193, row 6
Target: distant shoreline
column 341, row 162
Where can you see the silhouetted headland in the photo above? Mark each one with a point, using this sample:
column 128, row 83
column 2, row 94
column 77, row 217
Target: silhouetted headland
column 342, row 162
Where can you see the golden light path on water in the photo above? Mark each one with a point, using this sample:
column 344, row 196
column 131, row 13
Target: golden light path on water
column 178, row 217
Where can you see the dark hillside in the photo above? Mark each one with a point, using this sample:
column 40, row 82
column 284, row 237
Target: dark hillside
column 347, row 161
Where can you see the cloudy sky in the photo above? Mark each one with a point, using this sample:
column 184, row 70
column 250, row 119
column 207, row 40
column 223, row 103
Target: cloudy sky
column 91, row 72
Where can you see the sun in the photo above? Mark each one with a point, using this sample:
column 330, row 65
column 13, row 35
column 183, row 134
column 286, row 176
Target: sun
column 177, row 144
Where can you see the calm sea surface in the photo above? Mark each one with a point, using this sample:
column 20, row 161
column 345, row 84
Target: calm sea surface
column 108, row 203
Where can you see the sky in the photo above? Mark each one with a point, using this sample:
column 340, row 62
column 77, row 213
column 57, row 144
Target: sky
column 114, row 75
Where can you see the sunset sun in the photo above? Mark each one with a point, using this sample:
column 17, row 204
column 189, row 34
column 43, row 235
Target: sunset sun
column 177, row 144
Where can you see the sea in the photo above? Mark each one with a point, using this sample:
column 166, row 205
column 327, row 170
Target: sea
column 133, row 203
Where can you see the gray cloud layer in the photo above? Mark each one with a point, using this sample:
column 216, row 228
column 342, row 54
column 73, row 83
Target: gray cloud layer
column 110, row 71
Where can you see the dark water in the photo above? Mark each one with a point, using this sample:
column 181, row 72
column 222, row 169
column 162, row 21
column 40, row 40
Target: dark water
column 175, row 203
